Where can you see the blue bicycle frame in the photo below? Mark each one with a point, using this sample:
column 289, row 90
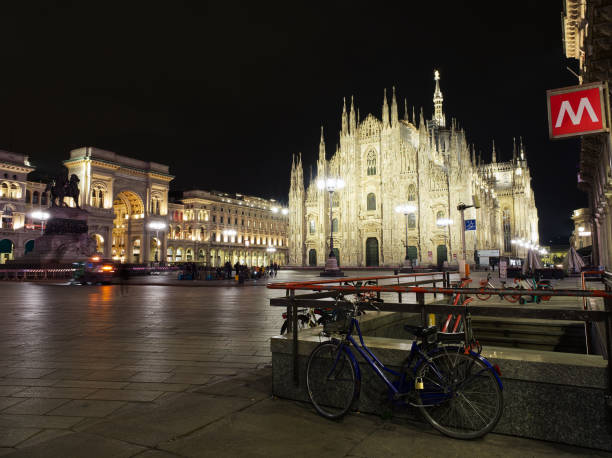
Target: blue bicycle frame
column 379, row 367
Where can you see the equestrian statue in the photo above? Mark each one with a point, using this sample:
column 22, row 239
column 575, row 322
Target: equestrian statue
column 61, row 188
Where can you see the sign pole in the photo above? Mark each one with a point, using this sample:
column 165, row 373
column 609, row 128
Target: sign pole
column 463, row 234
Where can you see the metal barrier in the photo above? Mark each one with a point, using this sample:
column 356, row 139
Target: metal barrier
column 326, row 289
column 35, row 274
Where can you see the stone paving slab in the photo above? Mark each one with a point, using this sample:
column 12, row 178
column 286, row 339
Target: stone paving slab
column 35, row 406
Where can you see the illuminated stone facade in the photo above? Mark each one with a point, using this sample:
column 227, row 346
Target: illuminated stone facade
column 587, row 37
column 581, row 235
column 394, row 161
column 214, row 228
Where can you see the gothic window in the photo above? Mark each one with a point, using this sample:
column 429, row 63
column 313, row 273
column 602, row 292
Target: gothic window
column 371, row 163
column 100, row 198
column 371, row 201
column 335, row 225
column 335, row 200
column 439, row 216
column 507, row 230
column 411, row 220
column 411, row 193
column 94, row 198
column 312, row 227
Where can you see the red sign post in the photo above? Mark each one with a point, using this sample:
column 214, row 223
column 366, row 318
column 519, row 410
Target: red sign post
column 577, row 110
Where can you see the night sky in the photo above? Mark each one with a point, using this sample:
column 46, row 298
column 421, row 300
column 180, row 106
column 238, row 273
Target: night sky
column 224, row 92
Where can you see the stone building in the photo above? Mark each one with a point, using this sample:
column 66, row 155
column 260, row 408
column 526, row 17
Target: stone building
column 123, row 196
column 587, row 37
column 582, row 234
column 214, row 228
column 424, row 163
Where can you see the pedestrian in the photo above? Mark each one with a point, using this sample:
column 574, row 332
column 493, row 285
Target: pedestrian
column 124, row 277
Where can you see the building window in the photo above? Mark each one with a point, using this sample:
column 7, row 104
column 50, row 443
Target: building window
column 214, row 218
column 311, row 226
column 335, row 225
column 28, row 196
column 507, row 230
column 371, row 201
column 411, row 221
column 43, row 198
column 371, row 163
column 335, row 200
column 35, row 197
column 411, row 193
column 439, row 216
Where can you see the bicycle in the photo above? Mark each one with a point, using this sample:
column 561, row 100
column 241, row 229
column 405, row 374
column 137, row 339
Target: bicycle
column 483, row 296
column 456, row 389
column 532, row 282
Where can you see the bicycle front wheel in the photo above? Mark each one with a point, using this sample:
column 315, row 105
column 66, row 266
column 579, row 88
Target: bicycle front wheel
column 461, row 396
column 331, row 380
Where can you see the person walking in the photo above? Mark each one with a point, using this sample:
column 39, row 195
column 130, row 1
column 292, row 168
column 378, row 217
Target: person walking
column 124, row 278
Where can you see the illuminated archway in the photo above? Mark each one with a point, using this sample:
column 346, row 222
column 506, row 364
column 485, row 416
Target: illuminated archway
column 129, row 218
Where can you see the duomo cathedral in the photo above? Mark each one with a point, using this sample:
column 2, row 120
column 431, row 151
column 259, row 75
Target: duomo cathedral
column 426, row 164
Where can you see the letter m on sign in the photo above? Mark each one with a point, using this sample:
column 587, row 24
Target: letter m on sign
column 577, row 110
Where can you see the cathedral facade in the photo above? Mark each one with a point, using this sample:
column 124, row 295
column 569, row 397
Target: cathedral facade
column 424, row 164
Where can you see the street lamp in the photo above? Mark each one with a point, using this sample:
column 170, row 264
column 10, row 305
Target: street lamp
column 42, row 216
column 406, row 210
column 462, row 207
column 157, row 226
column 331, row 265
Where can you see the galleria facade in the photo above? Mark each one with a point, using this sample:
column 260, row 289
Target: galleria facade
column 131, row 218
column 426, row 164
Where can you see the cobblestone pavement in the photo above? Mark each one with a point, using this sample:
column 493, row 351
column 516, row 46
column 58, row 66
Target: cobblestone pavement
column 73, row 357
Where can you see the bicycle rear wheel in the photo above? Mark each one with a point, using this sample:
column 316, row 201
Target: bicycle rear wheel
column 331, row 380
column 461, row 395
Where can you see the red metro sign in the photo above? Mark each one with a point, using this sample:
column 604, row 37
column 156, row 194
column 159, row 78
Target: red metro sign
column 577, row 110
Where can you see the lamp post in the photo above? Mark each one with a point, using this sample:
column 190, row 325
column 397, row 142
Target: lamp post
column 406, row 210
column 331, row 265
column 157, row 226
column 462, row 207
column 42, row 216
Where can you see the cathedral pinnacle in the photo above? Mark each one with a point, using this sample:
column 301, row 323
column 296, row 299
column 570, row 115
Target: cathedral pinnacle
column 353, row 124
column 322, row 147
column 514, row 149
column 385, row 110
column 394, row 113
column 494, row 154
column 438, row 99
column 345, row 125
column 406, row 110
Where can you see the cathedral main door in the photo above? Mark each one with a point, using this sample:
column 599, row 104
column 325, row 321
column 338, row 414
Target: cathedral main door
column 312, row 257
column 372, row 252
column 441, row 254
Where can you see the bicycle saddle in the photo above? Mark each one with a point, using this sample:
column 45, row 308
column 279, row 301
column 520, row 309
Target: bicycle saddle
column 420, row 331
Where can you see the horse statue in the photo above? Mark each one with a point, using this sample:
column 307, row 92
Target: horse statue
column 61, row 188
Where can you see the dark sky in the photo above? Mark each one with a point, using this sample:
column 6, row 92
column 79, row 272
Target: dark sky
column 224, row 92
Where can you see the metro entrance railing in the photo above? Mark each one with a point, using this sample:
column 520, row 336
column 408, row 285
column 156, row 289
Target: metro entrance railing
column 325, row 289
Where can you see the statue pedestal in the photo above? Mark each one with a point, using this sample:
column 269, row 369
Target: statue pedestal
column 65, row 239
column 331, row 268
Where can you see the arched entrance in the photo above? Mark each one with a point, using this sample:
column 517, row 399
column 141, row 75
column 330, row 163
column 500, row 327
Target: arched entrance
column 29, row 246
column 189, row 255
column 170, row 254
column 442, row 254
column 6, row 250
column 413, row 253
column 179, row 255
column 372, row 252
column 312, row 257
column 129, row 222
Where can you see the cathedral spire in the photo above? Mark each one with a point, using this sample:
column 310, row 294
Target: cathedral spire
column 322, row 147
column 394, row 113
column 437, row 99
column 385, row 110
column 414, row 119
column 522, row 149
column 513, row 149
column 406, row 110
column 473, row 156
column 344, row 117
column 353, row 124
column 494, row 154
